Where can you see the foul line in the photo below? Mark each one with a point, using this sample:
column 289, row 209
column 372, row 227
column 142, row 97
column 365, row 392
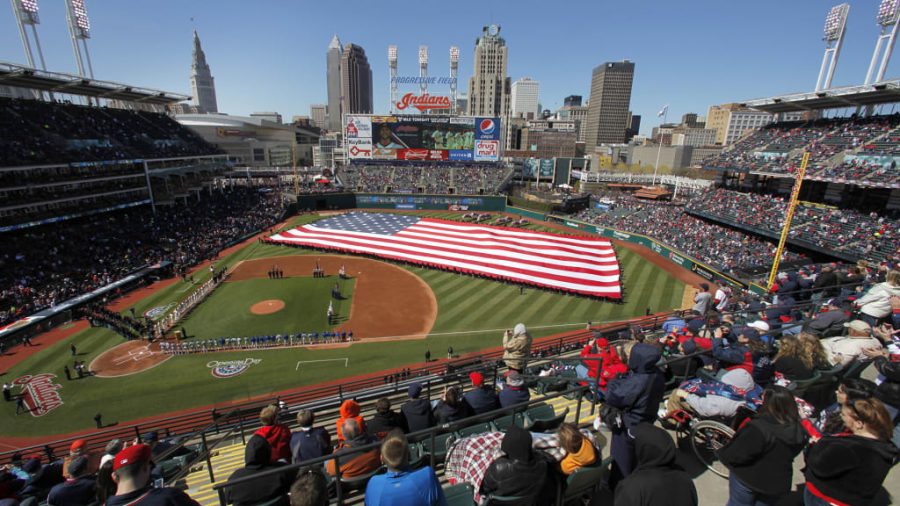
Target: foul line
column 346, row 361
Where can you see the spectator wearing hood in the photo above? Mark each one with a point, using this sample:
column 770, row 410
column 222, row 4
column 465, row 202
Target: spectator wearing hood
column 481, row 398
column 749, row 353
column 277, row 434
column 385, row 419
column 656, row 480
column 761, row 454
column 519, row 472
column 257, row 458
column 875, row 305
column 516, row 347
column 417, row 412
column 514, row 390
column 638, row 395
column 708, row 398
column 80, row 489
column 850, row 468
column 349, row 411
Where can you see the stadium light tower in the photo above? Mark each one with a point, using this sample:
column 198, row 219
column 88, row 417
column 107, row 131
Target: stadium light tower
column 423, row 69
column 888, row 19
column 454, row 70
column 27, row 15
column 392, row 63
column 80, row 30
column 833, row 35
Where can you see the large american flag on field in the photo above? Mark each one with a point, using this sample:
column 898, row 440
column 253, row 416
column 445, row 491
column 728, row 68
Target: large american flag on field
column 584, row 265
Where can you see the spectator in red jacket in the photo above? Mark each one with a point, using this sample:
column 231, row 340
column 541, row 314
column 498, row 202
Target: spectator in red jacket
column 277, row 434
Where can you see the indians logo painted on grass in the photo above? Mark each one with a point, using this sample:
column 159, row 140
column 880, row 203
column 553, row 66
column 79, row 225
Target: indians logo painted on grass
column 231, row 368
column 40, row 393
column 158, row 312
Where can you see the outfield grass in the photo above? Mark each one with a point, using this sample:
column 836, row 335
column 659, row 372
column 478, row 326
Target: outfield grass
column 472, row 312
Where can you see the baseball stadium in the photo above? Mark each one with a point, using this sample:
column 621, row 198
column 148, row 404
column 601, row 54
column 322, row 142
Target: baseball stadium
column 194, row 311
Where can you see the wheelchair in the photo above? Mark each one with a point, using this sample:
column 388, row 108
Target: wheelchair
column 707, row 436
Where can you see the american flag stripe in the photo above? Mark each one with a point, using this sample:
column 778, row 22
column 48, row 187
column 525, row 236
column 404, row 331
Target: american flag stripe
column 464, row 251
column 585, row 265
column 436, row 254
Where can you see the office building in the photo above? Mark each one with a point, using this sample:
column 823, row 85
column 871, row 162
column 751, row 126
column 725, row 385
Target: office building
column 525, row 93
column 203, row 85
column 607, row 116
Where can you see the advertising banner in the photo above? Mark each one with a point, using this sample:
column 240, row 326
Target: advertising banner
column 422, row 154
column 359, row 148
column 546, row 168
column 359, row 127
column 487, row 151
column 460, row 155
column 530, row 167
column 487, row 129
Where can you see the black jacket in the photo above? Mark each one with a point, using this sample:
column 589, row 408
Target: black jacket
column 153, row 497
column 257, row 457
column 657, row 480
column 850, row 469
column 513, row 395
column 418, row 414
column 888, row 391
column 762, row 453
column 382, row 423
column 632, row 393
column 444, row 412
column 309, row 444
column 512, row 477
column 482, row 399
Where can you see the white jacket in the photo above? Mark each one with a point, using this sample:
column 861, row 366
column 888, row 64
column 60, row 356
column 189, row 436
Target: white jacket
column 877, row 301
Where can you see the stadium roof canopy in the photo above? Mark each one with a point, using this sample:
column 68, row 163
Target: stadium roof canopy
column 57, row 82
column 884, row 92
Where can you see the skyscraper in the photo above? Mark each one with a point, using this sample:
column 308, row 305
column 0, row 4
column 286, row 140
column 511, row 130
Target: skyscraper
column 572, row 101
column 607, row 116
column 203, row 85
column 333, row 64
column 489, row 88
column 524, row 98
column 356, row 81
column 317, row 115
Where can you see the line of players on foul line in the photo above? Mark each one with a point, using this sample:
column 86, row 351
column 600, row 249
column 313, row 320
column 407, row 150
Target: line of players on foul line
column 253, row 343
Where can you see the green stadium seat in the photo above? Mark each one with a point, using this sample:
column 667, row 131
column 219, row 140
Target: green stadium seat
column 478, row 428
column 503, row 423
column 440, row 446
column 548, row 424
column 461, row 494
column 584, row 481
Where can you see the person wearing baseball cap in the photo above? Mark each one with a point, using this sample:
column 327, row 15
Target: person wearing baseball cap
column 845, row 349
column 131, row 472
column 482, row 398
column 81, row 488
column 514, row 392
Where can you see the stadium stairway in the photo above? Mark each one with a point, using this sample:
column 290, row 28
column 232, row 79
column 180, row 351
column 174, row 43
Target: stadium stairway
column 228, row 458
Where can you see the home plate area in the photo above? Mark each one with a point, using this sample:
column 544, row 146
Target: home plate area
column 134, row 355
column 127, row 358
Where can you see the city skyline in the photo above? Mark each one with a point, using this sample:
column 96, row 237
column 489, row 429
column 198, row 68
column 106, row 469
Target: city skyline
column 688, row 56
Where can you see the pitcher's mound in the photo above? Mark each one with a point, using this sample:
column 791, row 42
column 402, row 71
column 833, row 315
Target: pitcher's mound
column 267, row 306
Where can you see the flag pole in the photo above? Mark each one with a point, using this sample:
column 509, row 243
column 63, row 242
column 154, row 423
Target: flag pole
column 665, row 114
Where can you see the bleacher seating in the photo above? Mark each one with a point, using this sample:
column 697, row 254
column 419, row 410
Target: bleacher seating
column 437, row 179
column 35, row 132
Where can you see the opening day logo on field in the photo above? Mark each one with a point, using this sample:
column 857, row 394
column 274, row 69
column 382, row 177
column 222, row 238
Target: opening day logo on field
column 158, row 312
column 40, row 393
column 231, row 368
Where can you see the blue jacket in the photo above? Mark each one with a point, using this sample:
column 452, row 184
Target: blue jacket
column 405, row 488
column 73, row 492
column 632, row 393
column 482, row 399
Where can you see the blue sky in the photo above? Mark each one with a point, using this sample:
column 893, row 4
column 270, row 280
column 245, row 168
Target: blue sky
column 270, row 55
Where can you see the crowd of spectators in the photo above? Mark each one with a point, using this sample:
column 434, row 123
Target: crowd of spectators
column 34, row 132
column 43, row 266
column 773, row 149
column 864, row 236
column 192, row 346
column 726, row 249
column 430, row 179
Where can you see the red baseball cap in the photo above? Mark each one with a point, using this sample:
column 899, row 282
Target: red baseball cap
column 602, row 342
column 78, row 444
column 477, row 378
column 132, row 454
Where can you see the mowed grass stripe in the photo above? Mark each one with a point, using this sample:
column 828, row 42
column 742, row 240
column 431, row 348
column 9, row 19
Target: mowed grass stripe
column 468, row 310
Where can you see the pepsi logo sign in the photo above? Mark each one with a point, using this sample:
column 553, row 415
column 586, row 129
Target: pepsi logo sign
column 487, row 126
column 231, row 368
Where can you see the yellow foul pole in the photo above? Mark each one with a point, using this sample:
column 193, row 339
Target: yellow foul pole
column 792, row 206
